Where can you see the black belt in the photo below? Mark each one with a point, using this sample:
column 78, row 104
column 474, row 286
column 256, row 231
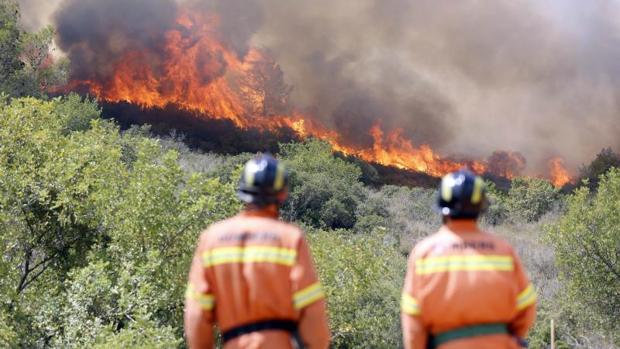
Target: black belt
column 467, row 332
column 283, row 325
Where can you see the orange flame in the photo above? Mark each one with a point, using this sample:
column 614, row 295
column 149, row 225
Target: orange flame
column 196, row 72
column 558, row 174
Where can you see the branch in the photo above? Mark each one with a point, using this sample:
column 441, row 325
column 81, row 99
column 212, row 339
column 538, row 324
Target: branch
column 605, row 261
column 25, row 271
column 36, row 275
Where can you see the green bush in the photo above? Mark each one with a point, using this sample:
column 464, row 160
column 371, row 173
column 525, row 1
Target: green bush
column 98, row 227
column 603, row 161
column 325, row 190
column 406, row 213
column 362, row 277
column 25, row 69
column 497, row 212
column 530, row 198
column 586, row 242
column 142, row 333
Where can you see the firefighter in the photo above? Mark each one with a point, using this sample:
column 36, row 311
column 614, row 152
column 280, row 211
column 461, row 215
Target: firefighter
column 253, row 275
column 465, row 288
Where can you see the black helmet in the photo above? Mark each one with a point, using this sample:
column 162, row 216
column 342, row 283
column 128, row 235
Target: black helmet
column 462, row 195
column 263, row 181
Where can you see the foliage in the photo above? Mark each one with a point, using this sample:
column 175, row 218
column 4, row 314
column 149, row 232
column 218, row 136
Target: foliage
column 604, row 160
column 102, row 224
column 141, row 334
column 586, row 242
column 497, row 212
column 8, row 337
column 530, row 198
column 27, row 68
column 98, row 227
column 407, row 214
column 362, row 277
column 9, row 40
column 540, row 336
column 325, row 190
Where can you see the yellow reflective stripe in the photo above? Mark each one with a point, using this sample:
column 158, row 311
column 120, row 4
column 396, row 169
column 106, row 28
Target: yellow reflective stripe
column 308, row 295
column 446, row 187
column 526, row 298
column 250, row 170
column 206, row 301
column 279, row 181
column 249, row 254
column 432, row 265
column 409, row 305
column 476, row 195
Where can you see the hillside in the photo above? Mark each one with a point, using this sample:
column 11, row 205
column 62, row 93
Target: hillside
column 102, row 201
column 98, row 228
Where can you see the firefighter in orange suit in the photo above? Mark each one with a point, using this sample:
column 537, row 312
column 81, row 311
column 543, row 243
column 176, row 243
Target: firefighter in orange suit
column 465, row 288
column 253, row 276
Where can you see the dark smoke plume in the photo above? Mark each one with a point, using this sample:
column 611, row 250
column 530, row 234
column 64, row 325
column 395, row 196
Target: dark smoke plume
column 96, row 33
column 467, row 77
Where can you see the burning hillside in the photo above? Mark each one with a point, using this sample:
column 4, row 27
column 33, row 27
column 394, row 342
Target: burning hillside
column 188, row 63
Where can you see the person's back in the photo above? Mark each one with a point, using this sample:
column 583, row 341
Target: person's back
column 465, row 288
column 253, row 276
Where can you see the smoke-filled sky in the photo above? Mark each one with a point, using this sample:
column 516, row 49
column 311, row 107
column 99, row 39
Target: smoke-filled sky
column 467, row 77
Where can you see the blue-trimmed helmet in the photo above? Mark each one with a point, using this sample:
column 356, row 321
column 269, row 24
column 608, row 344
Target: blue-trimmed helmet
column 264, row 181
column 462, row 194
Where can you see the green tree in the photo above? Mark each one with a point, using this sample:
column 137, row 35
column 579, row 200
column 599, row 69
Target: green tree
column 587, row 248
column 603, row 161
column 9, row 41
column 325, row 190
column 530, row 198
column 97, row 227
column 27, row 67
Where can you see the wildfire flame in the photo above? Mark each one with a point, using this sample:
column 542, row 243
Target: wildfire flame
column 196, row 72
column 559, row 174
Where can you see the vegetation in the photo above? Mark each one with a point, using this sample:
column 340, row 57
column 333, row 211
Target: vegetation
column 26, row 67
column 530, row 198
column 97, row 227
column 101, row 223
column 587, row 246
column 604, row 160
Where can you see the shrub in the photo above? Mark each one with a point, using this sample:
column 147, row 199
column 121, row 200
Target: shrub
column 497, row 212
column 587, row 249
column 98, row 227
column 325, row 190
column 530, row 198
column 603, row 161
column 363, row 281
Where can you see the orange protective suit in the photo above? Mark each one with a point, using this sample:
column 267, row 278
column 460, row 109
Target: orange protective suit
column 462, row 277
column 248, row 269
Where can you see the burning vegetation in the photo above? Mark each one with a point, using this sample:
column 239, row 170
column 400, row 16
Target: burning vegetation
column 192, row 66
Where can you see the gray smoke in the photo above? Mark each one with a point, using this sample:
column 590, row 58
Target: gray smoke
column 96, row 33
column 36, row 14
column 468, row 77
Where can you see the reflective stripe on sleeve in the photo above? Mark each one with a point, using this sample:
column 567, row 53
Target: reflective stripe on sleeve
column 526, row 298
column 206, row 301
column 249, row 254
column 431, row 265
column 307, row 296
column 409, row 305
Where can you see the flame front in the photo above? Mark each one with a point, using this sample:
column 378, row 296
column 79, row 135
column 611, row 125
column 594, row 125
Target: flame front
column 196, row 72
column 558, row 173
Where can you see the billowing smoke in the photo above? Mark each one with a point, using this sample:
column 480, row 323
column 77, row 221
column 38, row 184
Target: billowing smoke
column 96, row 33
column 468, row 77
column 35, row 14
